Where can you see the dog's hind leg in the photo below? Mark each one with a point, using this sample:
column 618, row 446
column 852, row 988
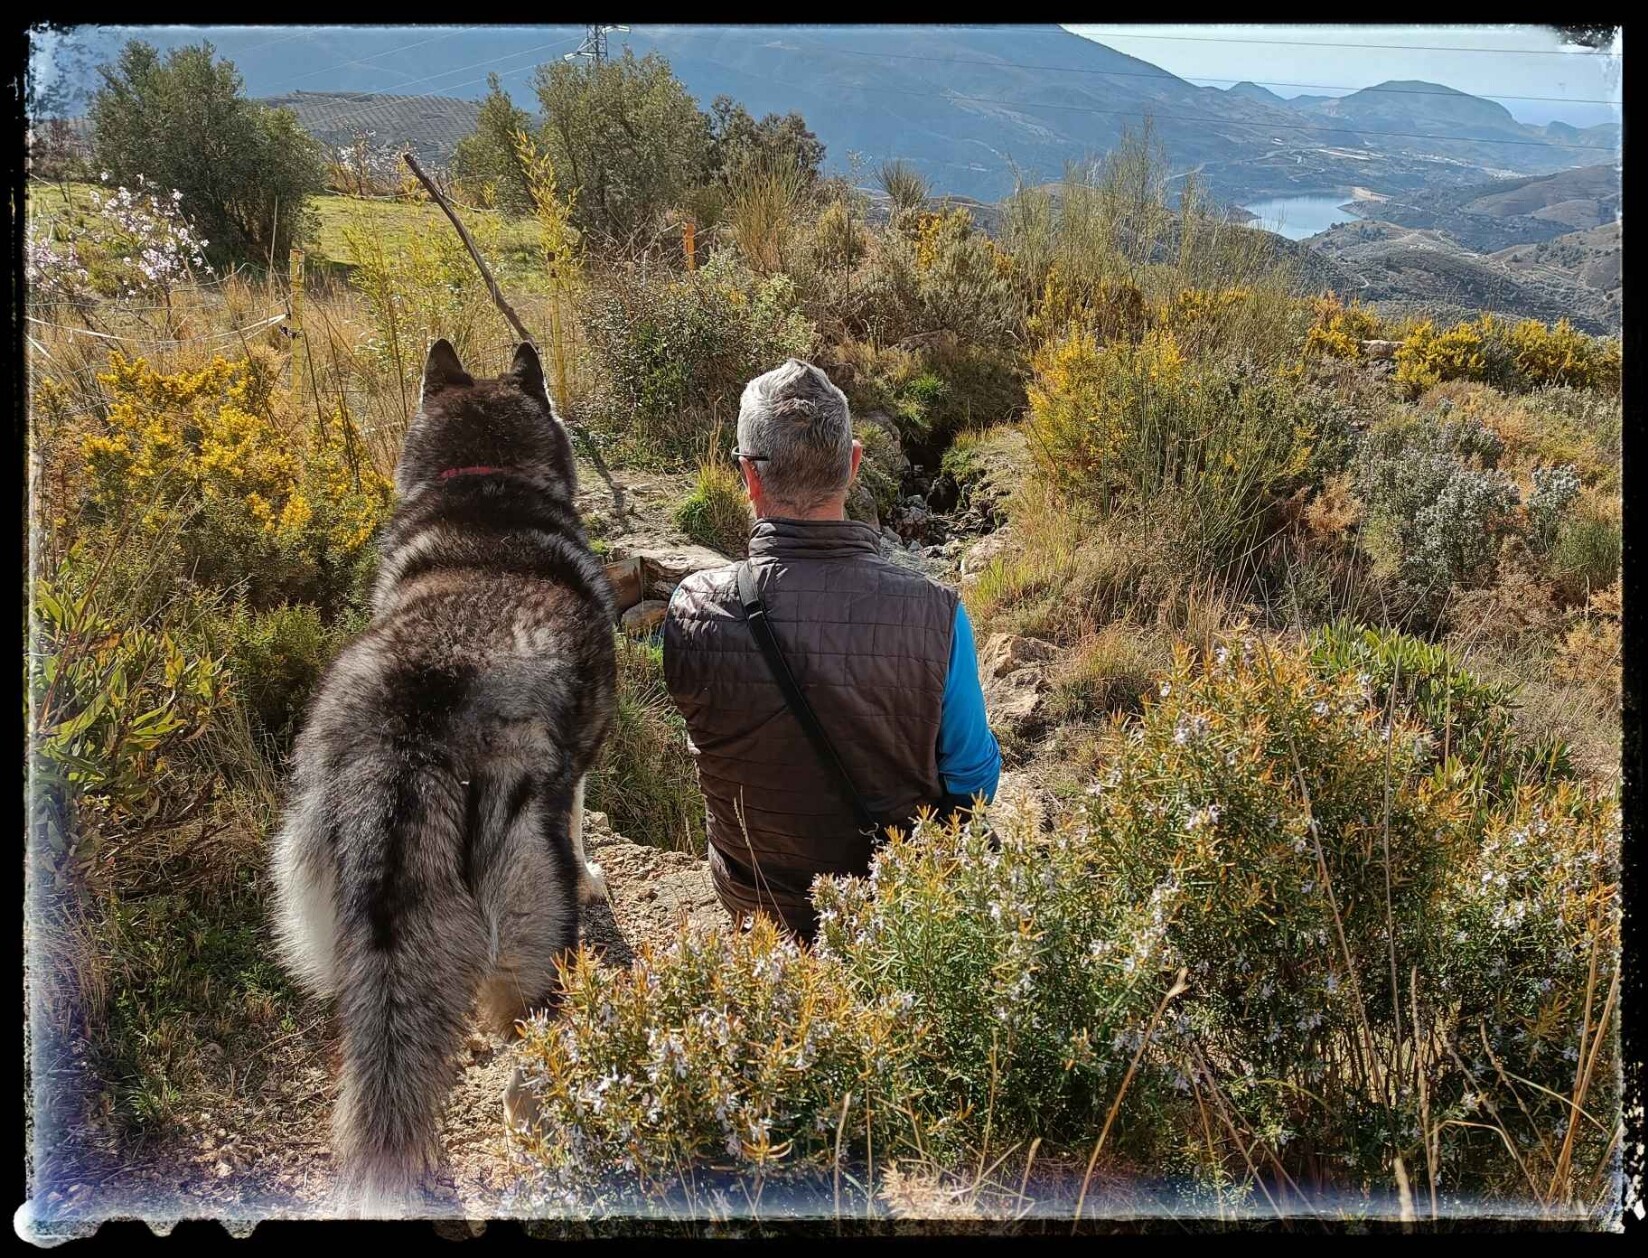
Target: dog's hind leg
column 532, row 892
column 592, row 883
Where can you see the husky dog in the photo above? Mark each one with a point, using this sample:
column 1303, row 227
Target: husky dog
column 432, row 850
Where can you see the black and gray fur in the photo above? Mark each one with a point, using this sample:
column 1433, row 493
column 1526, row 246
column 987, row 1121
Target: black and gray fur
column 432, row 848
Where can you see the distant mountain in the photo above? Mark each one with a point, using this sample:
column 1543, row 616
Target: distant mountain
column 1414, row 270
column 1252, row 91
column 1496, row 215
column 966, row 105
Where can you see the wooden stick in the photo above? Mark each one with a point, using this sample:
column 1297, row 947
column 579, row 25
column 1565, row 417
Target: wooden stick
column 486, row 271
column 590, row 448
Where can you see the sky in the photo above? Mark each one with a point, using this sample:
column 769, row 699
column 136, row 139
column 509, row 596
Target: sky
column 1525, row 68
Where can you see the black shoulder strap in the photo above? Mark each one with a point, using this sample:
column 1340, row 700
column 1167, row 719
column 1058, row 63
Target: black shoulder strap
column 755, row 614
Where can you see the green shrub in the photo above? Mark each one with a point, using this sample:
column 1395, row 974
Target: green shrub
column 1470, row 720
column 674, row 352
column 717, row 513
column 1585, row 556
column 1124, row 423
column 838, row 241
column 276, row 658
column 112, row 703
column 646, row 782
column 1270, row 908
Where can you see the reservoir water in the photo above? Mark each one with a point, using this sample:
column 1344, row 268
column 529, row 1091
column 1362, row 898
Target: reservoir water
column 1298, row 217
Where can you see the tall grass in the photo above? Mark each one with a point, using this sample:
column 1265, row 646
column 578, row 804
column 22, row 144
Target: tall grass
column 764, row 211
column 904, row 185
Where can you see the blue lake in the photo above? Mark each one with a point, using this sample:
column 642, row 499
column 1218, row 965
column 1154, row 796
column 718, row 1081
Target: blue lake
column 1298, row 217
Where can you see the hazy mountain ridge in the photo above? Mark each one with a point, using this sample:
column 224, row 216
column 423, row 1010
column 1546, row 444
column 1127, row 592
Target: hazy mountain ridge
column 966, row 105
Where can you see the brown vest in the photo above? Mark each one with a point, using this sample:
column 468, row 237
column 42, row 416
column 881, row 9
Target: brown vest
column 869, row 644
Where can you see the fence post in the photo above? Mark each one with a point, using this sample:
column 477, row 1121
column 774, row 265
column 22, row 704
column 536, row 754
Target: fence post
column 688, row 240
column 295, row 277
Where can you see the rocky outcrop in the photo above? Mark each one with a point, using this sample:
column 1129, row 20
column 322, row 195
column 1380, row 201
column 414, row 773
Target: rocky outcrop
column 1014, row 671
column 650, row 571
column 982, row 553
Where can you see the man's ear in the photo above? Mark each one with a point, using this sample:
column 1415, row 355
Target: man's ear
column 528, row 371
column 752, row 478
column 442, row 370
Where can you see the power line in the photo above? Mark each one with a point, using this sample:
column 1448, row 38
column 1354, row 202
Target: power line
column 1313, row 128
column 453, row 87
column 376, row 56
column 1311, row 43
column 1163, row 74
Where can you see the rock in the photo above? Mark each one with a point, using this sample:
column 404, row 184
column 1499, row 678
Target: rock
column 645, row 616
column 1016, row 701
column 665, row 569
column 628, row 581
column 1380, row 349
column 983, row 552
column 861, row 505
column 1014, row 670
column 1004, row 653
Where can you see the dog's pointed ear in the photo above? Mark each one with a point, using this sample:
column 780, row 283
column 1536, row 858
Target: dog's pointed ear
column 442, row 370
column 528, row 371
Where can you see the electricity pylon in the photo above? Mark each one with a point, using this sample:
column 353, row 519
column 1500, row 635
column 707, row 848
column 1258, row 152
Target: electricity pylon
column 594, row 45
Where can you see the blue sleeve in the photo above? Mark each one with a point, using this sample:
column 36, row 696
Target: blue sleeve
column 969, row 761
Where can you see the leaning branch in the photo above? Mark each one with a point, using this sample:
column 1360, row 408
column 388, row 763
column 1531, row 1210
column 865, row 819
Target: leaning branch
column 590, row 448
column 463, row 232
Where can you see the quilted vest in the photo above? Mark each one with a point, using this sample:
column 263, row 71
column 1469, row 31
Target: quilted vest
column 869, row 644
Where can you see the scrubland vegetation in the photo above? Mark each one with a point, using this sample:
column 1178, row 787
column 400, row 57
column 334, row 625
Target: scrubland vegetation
column 1325, row 899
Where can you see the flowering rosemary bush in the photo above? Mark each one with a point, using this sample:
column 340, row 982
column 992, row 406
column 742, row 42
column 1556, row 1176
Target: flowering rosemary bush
column 1370, row 955
column 1554, row 491
column 1437, row 504
column 727, row 1049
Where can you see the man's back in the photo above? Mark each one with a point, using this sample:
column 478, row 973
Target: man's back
column 870, row 645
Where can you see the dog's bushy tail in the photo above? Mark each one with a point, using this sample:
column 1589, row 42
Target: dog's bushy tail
column 412, row 951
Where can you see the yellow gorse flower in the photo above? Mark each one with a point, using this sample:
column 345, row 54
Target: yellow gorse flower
column 210, row 436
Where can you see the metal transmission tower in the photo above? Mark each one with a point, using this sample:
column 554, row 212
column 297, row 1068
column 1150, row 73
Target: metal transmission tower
column 594, row 45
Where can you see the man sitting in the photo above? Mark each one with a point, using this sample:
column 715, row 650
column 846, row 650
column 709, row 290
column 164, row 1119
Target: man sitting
column 884, row 657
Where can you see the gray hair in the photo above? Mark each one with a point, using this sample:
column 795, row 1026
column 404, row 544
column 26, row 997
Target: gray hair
column 797, row 418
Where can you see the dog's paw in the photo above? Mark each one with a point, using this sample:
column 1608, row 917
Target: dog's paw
column 522, row 1108
column 592, row 885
